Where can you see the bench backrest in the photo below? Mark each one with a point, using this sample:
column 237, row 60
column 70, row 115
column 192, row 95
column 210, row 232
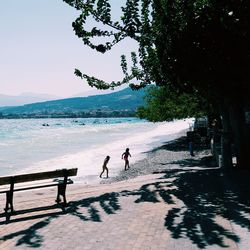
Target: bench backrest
column 38, row 176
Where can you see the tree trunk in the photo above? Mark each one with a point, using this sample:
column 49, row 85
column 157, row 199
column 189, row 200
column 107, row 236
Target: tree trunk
column 241, row 134
column 226, row 138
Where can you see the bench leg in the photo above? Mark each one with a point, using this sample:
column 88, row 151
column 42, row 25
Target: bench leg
column 61, row 191
column 9, row 202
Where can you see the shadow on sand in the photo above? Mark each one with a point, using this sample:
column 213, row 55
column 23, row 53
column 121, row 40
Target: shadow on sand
column 181, row 144
column 200, row 200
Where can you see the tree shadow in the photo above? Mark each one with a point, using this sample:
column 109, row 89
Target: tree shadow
column 108, row 202
column 181, row 144
column 203, row 202
column 204, row 162
column 30, row 237
column 208, row 197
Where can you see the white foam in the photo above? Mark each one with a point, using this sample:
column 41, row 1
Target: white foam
column 109, row 140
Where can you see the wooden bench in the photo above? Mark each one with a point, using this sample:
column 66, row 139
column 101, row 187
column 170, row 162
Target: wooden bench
column 34, row 181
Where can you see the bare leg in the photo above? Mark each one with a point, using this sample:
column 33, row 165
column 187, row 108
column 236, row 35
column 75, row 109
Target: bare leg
column 101, row 173
column 126, row 165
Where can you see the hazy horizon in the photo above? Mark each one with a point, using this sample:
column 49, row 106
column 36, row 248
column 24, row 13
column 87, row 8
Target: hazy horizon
column 30, row 97
column 92, row 91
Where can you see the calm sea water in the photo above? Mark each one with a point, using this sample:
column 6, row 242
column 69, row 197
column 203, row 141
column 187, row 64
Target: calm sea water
column 30, row 145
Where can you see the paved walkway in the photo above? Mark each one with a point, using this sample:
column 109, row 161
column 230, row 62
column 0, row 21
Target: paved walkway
column 160, row 211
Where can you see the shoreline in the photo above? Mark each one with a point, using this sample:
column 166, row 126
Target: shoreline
column 83, row 147
column 166, row 157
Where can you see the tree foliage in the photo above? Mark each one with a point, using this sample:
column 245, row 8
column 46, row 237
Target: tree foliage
column 136, row 22
column 133, row 22
column 165, row 105
column 204, row 45
column 191, row 46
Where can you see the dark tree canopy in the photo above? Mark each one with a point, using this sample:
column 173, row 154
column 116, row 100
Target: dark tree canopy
column 195, row 45
column 204, row 44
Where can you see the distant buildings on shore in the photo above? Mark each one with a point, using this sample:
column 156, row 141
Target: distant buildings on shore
column 87, row 114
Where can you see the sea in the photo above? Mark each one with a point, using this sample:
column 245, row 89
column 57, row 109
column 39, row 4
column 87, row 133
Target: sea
column 34, row 145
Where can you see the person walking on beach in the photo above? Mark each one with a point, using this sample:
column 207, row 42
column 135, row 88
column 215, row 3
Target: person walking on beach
column 104, row 166
column 190, row 137
column 125, row 156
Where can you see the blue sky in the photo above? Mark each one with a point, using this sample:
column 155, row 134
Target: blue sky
column 39, row 50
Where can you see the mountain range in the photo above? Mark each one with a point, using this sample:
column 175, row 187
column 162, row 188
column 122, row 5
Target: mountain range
column 25, row 98
column 125, row 99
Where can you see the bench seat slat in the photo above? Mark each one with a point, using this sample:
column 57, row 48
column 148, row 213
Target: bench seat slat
column 38, row 176
column 52, row 184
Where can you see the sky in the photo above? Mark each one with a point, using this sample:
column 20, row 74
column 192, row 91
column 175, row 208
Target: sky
column 39, row 50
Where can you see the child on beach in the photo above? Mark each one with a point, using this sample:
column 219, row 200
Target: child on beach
column 104, row 166
column 125, row 156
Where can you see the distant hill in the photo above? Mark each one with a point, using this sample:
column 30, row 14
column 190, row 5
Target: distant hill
column 125, row 99
column 25, row 98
